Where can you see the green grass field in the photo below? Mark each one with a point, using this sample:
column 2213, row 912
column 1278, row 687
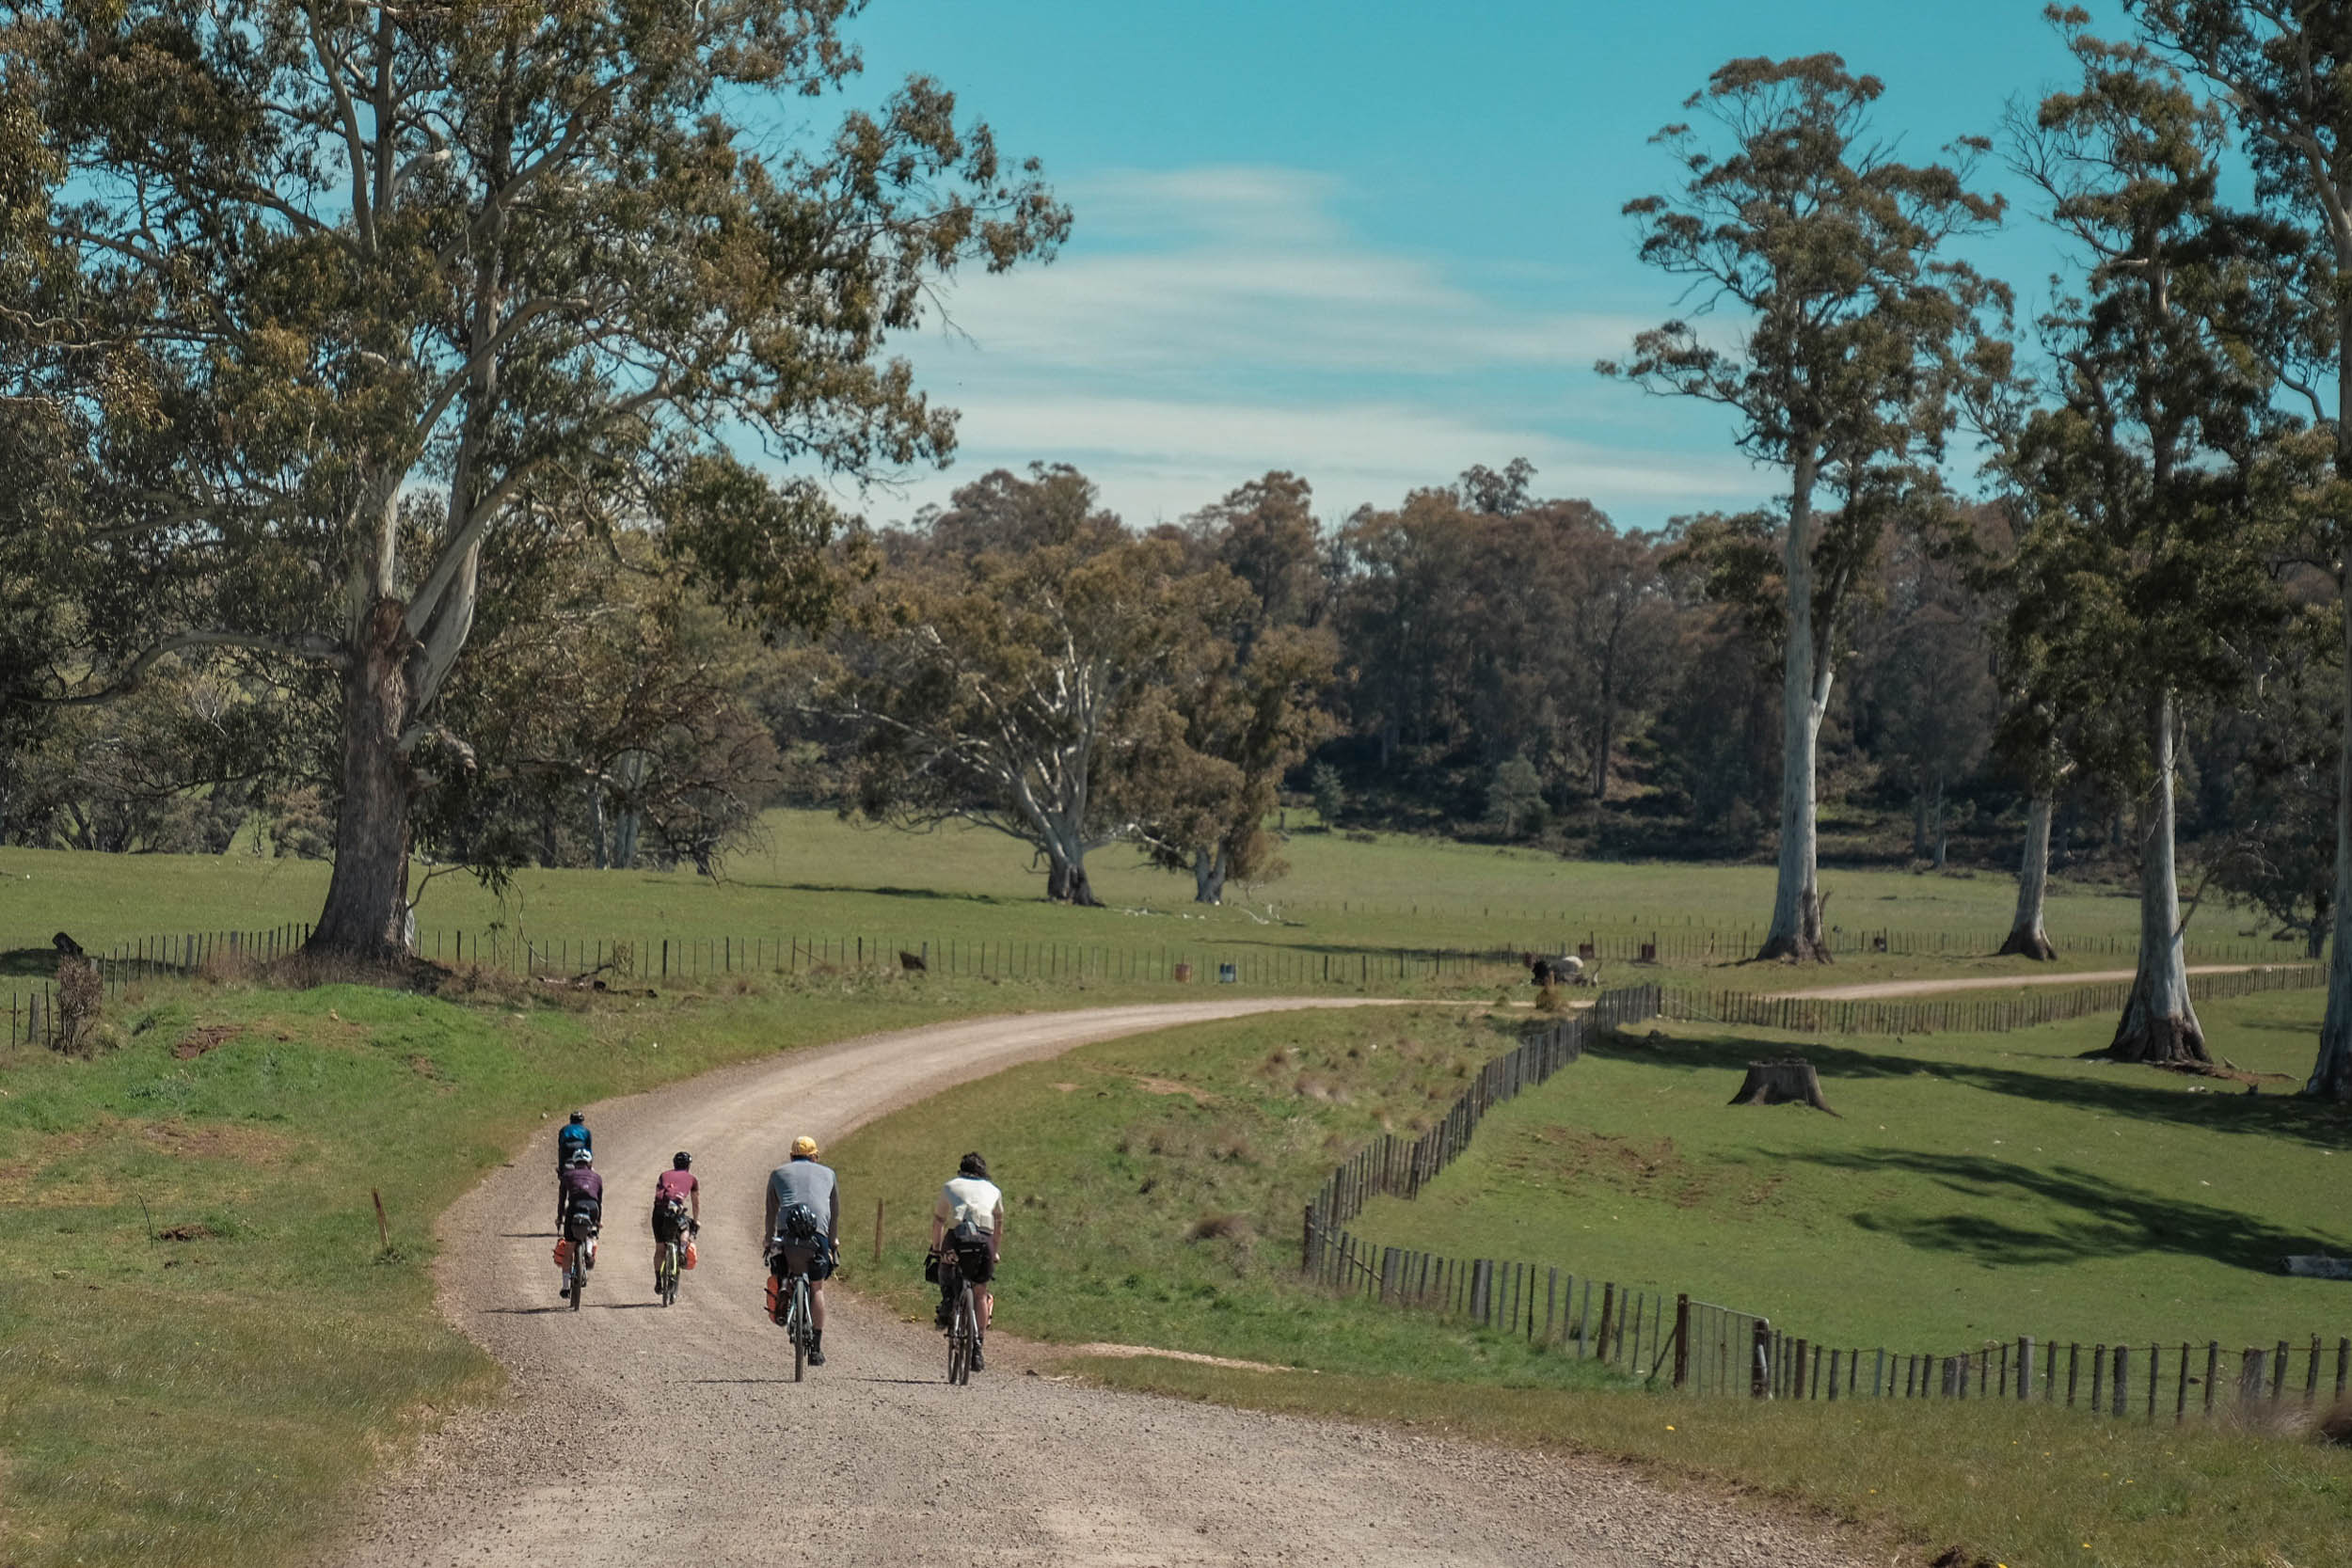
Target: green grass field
column 202, row 1350
column 815, row 877
column 1972, row 1186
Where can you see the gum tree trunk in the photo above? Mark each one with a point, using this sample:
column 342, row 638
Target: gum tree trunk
column 366, row 915
column 2026, row 938
column 2331, row 1073
column 1066, row 879
column 2159, row 1024
column 1796, row 931
column 1208, row 876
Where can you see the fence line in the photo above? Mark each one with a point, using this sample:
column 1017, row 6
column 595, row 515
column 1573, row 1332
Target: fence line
column 34, row 1016
column 1398, row 1166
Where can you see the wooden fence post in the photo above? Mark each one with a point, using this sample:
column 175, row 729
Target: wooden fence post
column 1760, row 1360
column 1683, row 1339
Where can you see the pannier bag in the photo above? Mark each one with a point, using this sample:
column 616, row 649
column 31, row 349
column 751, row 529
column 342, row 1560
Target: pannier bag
column 562, row 1252
column 787, row 1258
column 690, row 1255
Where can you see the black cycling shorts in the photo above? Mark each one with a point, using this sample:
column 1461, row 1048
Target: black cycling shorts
column 669, row 1224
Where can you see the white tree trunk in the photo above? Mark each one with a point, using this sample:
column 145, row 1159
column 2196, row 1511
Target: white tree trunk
column 2026, row 938
column 1796, row 931
column 2159, row 1024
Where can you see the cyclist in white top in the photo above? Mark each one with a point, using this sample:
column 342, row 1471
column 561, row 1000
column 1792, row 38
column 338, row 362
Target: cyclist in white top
column 971, row 1198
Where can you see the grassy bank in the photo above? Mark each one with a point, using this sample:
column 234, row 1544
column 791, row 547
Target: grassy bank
column 1992, row 1484
column 1153, row 1187
column 202, row 1346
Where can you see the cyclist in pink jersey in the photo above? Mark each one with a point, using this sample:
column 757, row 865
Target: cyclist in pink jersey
column 674, row 1188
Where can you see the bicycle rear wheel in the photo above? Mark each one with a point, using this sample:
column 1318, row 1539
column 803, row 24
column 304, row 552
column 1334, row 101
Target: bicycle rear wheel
column 799, row 1328
column 960, row 1338
column 580, row 1278
column 665, row 1278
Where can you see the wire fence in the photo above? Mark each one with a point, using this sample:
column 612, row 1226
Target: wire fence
column 36, row 1016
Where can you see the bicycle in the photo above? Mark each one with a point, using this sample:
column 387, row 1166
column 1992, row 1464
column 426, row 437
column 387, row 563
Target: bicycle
column 797, row 1315
column 669, row 1262
column 963, row 1320
column 579, row 1263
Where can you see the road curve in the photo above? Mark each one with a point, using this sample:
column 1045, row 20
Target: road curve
column 640, row 1437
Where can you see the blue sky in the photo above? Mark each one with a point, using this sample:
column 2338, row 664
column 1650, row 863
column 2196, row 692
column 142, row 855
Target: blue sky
column 1374, row 243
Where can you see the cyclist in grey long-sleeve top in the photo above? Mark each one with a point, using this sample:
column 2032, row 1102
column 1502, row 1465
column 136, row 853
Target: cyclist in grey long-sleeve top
column 801, row 1181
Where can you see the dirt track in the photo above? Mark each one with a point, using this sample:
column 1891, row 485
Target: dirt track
column 1875, row 990
column 639, row 1437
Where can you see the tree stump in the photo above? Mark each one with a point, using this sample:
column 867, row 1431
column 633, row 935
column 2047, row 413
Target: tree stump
column 1789, row 1080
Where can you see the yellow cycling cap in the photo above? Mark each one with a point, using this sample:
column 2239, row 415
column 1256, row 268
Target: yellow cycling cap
column 804, row 1148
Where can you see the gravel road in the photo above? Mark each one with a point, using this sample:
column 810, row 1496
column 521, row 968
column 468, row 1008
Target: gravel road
column 640, row 1437
column 1876, row 990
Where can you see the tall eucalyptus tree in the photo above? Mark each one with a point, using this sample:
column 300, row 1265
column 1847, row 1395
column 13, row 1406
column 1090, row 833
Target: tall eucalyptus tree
column 354, row 301
column 1853, row 335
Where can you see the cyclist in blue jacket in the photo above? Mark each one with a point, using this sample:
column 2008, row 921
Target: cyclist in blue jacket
column 573, row 1137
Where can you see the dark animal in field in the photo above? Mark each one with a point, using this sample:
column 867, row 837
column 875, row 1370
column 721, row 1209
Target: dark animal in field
column 1545, row 972
column 913, row 962
column 66, row 947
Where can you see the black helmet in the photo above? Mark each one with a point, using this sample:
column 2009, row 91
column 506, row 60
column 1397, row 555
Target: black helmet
column 972, row 1164
column 580, row 1119
column 681, row 1161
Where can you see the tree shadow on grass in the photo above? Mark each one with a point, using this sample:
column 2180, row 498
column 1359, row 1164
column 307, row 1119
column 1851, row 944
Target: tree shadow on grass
column 2121, row 1089
column 30, row 963
column 928, row 894
column 2098, row 1218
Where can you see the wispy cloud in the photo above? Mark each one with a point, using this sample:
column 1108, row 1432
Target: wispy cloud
column 1210, row 324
